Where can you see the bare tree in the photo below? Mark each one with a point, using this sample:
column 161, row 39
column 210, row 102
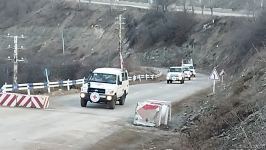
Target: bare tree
column 252, row 7
column 211, row 6
column 163, row 4
column 184, row 5
column 202, row 6
column 262, row 4
column 192, row 6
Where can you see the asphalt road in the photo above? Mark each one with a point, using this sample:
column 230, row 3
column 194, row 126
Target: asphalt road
column 65, row 125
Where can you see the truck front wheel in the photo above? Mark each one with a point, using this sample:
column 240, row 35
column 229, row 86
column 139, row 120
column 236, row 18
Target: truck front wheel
column 122, row 99
column 111, row 104
column 83, row 102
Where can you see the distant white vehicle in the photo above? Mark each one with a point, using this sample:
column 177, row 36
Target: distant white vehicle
column 187, row 72
column 190, row 65
column 105, row 85
column 175, row 74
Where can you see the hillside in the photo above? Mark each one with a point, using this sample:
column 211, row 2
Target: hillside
column 233, row 118
column 90, row 35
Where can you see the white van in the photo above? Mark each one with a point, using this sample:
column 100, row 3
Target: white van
column 105, row 85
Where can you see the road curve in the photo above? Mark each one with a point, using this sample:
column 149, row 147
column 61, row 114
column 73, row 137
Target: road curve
column 65, row 125
column 216, row 11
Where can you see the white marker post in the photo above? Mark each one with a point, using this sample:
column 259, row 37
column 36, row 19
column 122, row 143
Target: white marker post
column 47, row 79
column 214, row 76
column 222, row 73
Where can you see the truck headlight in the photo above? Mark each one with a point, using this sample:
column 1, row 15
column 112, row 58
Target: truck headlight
column 109, row 98
column 82, row 95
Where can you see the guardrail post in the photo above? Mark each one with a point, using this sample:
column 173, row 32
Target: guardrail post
column 146, row 77
column 48, row 87
column 134, row 78
column 139, row 78
column 4, row 88
column 28, row 89
column 152, row 77
column 68, row 85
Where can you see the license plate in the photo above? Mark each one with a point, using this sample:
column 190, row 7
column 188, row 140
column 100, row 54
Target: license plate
column 173, row 78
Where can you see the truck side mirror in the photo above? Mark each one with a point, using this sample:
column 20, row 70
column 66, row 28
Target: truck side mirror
column 119, row 82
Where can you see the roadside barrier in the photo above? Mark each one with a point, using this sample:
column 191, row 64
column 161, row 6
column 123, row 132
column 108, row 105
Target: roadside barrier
column 152, row 113
column 39, row 102
column 8, row 100
column 21, row 100
column 24, row 101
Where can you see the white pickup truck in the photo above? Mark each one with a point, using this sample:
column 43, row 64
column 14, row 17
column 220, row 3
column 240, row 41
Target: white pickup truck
column 105, row 85
column 188, row 73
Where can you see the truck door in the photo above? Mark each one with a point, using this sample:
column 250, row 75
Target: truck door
column 120, row 86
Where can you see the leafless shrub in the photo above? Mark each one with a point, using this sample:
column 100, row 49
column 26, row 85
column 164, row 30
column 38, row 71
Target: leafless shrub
column 157, row 27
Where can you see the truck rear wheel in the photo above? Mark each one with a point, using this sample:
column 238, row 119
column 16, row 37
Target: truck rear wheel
column 83, row 102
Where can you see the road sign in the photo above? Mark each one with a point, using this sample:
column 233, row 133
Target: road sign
column 214, row 75
column 222, row 73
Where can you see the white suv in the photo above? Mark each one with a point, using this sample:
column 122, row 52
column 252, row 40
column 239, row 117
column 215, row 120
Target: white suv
column 187, row 72
column 105, row 85
column 191, row 68
column 175, row 74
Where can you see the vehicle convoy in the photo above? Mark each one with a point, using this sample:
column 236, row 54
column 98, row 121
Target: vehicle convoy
column 105, row 85
column 189, row 63
column 175, row 74
column 187, row 72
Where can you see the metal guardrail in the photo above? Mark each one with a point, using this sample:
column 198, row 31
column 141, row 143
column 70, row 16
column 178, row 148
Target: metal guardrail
column 68, row 83
column 45, row 85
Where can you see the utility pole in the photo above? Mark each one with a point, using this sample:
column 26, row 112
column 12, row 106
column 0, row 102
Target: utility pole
column 15, row 56
column 62, row 38
column 120, row 41
column 63, row 41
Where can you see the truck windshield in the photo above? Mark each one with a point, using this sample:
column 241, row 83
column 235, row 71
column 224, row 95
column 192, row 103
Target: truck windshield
column 175, row 70
column 103, row 78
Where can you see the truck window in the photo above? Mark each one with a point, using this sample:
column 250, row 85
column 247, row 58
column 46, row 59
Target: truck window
column 124, row 76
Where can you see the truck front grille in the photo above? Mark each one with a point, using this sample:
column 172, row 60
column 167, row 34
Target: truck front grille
column 100, row 91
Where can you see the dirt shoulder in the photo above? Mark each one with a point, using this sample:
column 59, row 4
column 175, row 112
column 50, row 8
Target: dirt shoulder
column 142, row 138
